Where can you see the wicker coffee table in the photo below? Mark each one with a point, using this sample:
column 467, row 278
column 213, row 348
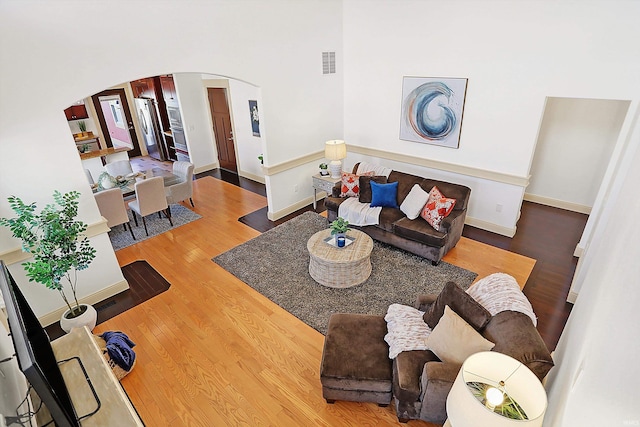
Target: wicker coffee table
column 340, row 267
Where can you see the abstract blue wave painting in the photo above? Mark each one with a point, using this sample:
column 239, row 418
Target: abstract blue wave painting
column 432, row 110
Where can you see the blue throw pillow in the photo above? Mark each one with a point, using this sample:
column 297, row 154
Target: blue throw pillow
column 384, row 195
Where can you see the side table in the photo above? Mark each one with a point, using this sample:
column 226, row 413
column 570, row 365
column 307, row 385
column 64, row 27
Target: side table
column 322, row 183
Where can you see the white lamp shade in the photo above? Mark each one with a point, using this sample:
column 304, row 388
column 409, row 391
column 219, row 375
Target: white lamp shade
column 335, row 149
column 522, row 385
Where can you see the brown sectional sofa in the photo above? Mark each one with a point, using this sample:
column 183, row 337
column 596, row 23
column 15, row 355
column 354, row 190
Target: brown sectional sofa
column 415, row 236
column 421, row 382
column 356, row 366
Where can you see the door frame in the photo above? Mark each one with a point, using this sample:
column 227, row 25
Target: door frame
column 95, row 98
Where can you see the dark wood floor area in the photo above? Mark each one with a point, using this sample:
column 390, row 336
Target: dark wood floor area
column 548, row 235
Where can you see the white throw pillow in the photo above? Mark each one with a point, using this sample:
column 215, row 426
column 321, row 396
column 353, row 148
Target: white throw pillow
column 453, row 339
column 414, row 202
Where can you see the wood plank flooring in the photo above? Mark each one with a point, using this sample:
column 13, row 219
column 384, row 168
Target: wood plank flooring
column 212, row 351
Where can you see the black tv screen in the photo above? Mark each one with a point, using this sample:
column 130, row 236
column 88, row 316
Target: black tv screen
column 34, row 353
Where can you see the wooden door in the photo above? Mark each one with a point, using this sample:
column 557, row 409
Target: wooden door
column 127, row 121
column 222, row 128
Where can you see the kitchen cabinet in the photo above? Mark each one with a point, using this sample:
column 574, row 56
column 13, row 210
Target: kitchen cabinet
column 169, row 90
column 143, row 88
column 76, row 112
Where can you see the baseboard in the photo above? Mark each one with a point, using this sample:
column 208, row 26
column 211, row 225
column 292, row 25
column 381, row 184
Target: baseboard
column 274, row 216
column 252, row 177
column 94, row 298
column 579, row 251
column 572, row 297
column 561, row 204
column 489, row 226
column 210, row 166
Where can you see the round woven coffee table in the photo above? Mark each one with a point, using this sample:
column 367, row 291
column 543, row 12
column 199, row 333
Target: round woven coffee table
column 340, row 267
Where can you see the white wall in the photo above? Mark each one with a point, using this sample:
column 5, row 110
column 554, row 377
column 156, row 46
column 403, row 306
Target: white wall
column 248, row 146
column 595, row 382
column 576, row 139
column 194, row 110
column 276, row 44
column 514, row 54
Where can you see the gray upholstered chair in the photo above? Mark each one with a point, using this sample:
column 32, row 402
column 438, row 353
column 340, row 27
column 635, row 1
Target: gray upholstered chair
column 150, row 198
column 184, row 189
column 111, row 206
column 119, row 168
column 87, row 173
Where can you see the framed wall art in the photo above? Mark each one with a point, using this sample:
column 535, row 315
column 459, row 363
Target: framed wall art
column 432, row 110
column 255, row 117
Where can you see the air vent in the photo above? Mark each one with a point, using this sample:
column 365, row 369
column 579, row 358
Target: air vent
column 328, row 62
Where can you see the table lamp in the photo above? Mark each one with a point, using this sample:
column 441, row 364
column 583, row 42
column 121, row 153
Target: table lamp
column 493, row 389
column 335, row 150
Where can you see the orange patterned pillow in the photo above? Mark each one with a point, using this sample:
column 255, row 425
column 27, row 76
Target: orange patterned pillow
column 437, row 208
column 351, row 184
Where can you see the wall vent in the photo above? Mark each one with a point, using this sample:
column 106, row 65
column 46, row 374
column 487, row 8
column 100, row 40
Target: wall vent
column 328, row 62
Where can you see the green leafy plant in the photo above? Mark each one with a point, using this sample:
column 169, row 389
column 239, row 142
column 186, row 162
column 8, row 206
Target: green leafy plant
column 324, row 166
column 261, row 158
column 82, row 125
column 56, row 241
column 340, row 225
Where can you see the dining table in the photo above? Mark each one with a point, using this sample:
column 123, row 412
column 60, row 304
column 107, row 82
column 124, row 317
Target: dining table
column 127, row 183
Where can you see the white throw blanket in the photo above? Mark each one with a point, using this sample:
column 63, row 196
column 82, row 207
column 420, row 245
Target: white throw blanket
column 376, row 169
column 406, row 328
column 359, row 213
column 500, row 292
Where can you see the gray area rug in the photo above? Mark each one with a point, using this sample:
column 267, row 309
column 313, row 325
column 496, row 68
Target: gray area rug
column 180, row 215
column 276, row 264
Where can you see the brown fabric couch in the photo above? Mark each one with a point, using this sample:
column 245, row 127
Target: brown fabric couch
column 421, row 382
column 415, row 236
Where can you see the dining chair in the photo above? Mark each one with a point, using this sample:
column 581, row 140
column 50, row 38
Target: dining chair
column 87, row 172
column 150, row 198
column 111, row 206
column 184, row 189
column 119, row 168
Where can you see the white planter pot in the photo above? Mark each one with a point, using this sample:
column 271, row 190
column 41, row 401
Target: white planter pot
column 88, row 318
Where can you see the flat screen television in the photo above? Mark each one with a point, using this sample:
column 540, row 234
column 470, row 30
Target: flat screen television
column 34, row 353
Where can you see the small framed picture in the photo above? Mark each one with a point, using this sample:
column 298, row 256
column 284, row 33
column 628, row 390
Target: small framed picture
column 255, row 117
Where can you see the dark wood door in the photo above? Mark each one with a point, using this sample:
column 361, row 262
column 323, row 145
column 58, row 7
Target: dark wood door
column 127, row 122
column 222, row 128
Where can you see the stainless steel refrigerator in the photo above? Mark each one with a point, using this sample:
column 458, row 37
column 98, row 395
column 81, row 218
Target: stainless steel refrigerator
column 151, row 131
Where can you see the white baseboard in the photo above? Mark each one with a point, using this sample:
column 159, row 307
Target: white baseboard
column 274, row 216
column 205, row 168
column 572, row 297
column 489, row 226
column 578, row 251
column 252, row 177
column 94, row 298
column 561, row 204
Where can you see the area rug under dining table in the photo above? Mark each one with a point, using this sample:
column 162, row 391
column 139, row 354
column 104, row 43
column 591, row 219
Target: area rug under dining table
column 276, row 264
column 180, row 215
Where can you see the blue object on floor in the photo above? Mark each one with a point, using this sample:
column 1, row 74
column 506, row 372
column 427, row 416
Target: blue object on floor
column 119, row 347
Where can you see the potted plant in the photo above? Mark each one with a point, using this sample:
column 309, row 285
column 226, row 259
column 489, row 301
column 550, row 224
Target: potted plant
column 59, row 248
column 261, row 158
column 82, row 125
column 339, row 227
column 323, row 169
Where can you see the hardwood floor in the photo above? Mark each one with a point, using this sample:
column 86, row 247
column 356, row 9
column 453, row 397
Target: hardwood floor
column 212, row 351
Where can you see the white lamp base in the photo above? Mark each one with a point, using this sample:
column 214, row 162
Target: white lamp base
column 335, row 167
